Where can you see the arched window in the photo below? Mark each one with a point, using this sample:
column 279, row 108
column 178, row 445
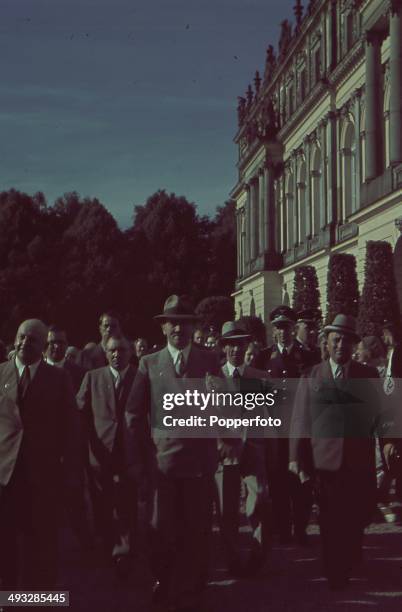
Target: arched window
column 349, row 169
column 316, row 178
column 290, row 211
column 301, row 202
column 363, row 146
column 387, row 93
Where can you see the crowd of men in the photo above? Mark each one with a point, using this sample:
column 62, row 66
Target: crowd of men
column 78, row 425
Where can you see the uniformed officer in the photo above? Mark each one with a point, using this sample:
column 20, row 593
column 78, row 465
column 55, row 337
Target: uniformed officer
column 291, row 500
column 306, row 336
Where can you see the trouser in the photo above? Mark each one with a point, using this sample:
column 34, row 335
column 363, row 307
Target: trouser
column 28, row 537
column 114, row 499
column 344, row 499
column 180, row 536
column 228, row 482
column 291, row 500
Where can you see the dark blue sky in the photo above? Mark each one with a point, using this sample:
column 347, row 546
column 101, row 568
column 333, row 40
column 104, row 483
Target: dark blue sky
column 118, row 98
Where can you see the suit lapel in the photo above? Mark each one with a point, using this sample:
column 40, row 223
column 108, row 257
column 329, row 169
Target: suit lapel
column 10, row 384
column 108, row 385
column 166, row 365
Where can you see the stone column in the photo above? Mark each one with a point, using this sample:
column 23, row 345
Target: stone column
column 307, row 213
column 395, row 64
column 253, row 219
column 262, row 212
column 374, row 141
column 357, row 97
column 247, row 249
column 243, row 241
column 269, row 205
column 331, row 157
column 238, row 242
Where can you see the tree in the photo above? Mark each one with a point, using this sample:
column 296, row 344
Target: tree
column 26, row 263
column 87, row 273
column 223, row 250
column 342, row 286
column 379, row 299
column 214, row 311
column 255, row 327
column 306, row 294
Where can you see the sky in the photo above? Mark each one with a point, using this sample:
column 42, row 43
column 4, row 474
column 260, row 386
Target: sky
column 116, row 99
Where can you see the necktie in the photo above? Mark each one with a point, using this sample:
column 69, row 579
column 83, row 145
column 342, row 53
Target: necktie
column 118, row 387
column 284, row 352
column 180, row 365
column 339, row 372
column 24, row 383
column 236, row 373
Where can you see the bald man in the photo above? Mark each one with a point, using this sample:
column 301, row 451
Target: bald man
column 39, row 461
column 102, row 399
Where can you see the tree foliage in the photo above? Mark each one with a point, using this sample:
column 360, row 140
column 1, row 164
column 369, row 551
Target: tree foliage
column 255, row 327
column 69, row 262
column 379, row 300
column 214, row 311
column 306, row 294
column 342, row 286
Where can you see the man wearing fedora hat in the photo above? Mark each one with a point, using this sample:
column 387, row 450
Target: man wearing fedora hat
column 332, row 435
column 181, row 469
column 241, row 459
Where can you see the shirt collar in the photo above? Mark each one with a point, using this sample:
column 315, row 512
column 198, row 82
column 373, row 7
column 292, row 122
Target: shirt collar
column 32, row 367
column 118, row 373
column 335, row 366
column 231, row 368
column 58, row 364
column 281, row 347
column 174, row 352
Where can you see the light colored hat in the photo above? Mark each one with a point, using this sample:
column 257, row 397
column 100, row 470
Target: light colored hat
column 177, row 307
column 345, row 324
column 231, row 330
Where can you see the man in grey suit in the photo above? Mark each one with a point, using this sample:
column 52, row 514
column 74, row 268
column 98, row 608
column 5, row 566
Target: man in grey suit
column 102, row 399
column 39, row 461
column 332, row 434
column 182, row 468
column 245, row 461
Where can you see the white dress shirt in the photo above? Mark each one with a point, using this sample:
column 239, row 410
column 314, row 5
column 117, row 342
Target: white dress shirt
column 174, row 352
column 231, row 368
column 21, row 367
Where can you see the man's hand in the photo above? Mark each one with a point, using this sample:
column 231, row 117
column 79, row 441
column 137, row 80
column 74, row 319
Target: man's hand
column 390, row 453
column 228, row 450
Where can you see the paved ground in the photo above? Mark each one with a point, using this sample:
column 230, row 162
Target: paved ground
column 290, row 582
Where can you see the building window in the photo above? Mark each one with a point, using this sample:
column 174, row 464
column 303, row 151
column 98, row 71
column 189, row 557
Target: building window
column 302, row 84
column 386, row 124
column 290, row 212
column 316, row 178
column 301, row 203
column 349, row 170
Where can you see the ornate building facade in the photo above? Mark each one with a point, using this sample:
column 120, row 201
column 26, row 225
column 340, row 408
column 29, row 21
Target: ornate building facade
column 320, row 148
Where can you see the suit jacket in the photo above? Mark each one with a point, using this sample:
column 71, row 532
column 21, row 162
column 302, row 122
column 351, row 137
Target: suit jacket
column 291, row 366
column 90, row 359
column 36, row 440
column 396, row 367
column 330, row 429
column 102, row 413
column 75, row 372
column 248, row 451
column 176, row 457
